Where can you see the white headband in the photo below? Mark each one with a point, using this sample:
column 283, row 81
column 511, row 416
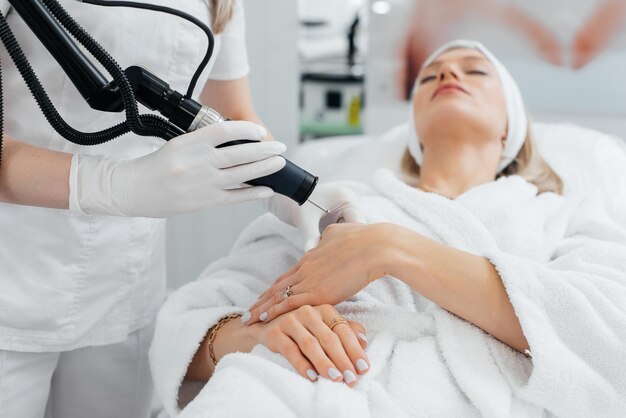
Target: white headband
column 516, row 113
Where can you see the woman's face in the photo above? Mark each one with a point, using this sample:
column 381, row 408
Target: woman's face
column 459, row 90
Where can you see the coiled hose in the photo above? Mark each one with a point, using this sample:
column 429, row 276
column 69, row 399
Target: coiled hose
column 144, row 125
column 154, row 125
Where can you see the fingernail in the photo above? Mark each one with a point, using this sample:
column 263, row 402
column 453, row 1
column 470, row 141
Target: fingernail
column 333, row 373
column 312, row 375
column 362, row 365
column 263, row 316
column 245, row 317
column 362, row 336
column 262, row 132
column 349, row 376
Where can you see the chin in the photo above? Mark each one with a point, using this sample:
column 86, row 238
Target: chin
column 454, row 116
column 452, row 113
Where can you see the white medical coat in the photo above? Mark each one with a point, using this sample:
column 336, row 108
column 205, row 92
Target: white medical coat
column 69, row 281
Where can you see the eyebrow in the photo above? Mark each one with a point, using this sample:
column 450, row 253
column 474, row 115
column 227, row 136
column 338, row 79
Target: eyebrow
column 466, row 58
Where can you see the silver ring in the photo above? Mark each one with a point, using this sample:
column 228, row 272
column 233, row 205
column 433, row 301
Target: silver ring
column 287, row 292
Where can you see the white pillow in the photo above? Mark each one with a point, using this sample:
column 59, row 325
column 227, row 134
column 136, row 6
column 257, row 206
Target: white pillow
column 591, row 164
column 350, row 158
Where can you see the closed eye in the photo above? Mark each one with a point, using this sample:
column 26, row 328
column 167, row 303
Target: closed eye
column 427, row 79
column 476, row 72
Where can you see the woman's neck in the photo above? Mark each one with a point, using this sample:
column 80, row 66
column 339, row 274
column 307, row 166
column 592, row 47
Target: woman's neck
column 452, row 172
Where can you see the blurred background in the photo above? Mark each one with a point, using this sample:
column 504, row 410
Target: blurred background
column 328, row 68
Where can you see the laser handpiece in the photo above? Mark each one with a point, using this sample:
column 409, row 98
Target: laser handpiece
column 190, row 115
column 291, row 181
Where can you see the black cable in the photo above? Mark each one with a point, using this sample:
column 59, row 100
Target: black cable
column 186, row 16
column 141, row 124
column 160, row 127
column 43, row 101
column 145, row 125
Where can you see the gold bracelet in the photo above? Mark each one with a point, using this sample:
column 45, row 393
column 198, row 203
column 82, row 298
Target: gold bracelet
column 213, row 332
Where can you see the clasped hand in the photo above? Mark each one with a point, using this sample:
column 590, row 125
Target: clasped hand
column 305, row 338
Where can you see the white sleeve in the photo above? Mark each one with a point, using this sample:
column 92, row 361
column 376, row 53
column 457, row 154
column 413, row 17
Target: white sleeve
column 229, row 285
column 231, row 62
column 573, row 313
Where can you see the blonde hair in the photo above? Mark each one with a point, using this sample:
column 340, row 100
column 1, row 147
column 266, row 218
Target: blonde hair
column 221, row 13
column 529, row 164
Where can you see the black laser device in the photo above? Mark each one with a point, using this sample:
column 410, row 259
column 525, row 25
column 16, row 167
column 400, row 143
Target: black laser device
column 52, row 25
column 291, row 181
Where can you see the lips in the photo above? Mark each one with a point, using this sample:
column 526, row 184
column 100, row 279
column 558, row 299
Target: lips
column 447, row 87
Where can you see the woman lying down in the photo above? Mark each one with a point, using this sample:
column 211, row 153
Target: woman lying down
column 474, row 288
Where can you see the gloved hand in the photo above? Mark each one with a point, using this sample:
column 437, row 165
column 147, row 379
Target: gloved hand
column 310, row 220
column 186, row 174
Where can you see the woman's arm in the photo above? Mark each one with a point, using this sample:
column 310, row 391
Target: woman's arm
column 462, row 283
column 151, row 185
column 34, row 176
column 350, row 256
column 232, row 99
column 232, row 337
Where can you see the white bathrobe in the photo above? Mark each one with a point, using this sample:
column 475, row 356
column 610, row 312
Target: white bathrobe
column 564, row 267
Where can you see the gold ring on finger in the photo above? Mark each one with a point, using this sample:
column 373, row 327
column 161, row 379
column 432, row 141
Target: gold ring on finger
column 336, row 321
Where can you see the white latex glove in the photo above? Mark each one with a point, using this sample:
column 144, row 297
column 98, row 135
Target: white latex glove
column 186, row 174
column 310, row 220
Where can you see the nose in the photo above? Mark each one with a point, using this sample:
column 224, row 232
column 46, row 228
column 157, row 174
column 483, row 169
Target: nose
column 448, row 71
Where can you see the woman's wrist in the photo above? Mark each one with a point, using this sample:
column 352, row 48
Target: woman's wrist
column 399, row 251
column 233, row 337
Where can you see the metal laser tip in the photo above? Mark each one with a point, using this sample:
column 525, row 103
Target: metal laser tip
column 318, row 206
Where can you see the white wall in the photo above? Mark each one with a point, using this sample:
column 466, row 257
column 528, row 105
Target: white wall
column 195, row 240
column 593, row 93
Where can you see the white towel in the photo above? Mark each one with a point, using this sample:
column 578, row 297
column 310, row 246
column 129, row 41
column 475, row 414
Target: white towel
column 564, row 269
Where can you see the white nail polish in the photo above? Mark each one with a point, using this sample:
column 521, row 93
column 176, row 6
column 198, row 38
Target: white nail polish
column 349, row 377
column 362, row 336
column 245, row 317
column 362, row 365
column 311, row 374
column 263, row 316
column 333, row 373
